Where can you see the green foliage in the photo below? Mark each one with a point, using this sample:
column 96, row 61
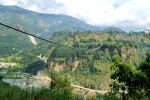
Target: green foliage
column 144, row 68
column 108, row 96
column 63, row 53
column 123, row 72
column 134, row 82
column 61, row 89
column 12, row 58
column 12, row 42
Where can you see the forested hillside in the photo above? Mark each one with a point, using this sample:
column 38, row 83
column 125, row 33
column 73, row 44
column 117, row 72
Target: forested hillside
column 87, row 55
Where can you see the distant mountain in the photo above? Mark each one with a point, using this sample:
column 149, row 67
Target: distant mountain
column 41, row 24
column 114, row 30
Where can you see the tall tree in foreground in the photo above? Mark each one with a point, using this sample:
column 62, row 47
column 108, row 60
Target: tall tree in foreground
column 132, row 83
column 61, row 89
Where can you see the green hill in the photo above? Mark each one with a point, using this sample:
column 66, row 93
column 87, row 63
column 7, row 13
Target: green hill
column 41, row 24
column 113, row 30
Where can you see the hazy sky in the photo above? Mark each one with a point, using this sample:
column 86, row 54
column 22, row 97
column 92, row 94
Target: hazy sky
column 125, row 14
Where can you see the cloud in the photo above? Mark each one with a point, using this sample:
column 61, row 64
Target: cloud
column 42, row 6
column 119, row 13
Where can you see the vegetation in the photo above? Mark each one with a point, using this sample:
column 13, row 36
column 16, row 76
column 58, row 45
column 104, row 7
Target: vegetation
column 109, row 60
column 133, row 83
column 94, row 53
column 89, row 57
column 60, row 90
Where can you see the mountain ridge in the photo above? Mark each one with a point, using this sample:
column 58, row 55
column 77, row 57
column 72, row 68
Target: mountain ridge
column 41, row 24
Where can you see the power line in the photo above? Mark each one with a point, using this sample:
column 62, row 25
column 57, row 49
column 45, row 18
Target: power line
column 21, row 31
column 35, row 36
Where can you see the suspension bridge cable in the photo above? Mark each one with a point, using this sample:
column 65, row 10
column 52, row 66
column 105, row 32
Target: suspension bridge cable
column 21, row 31
column 35, row 36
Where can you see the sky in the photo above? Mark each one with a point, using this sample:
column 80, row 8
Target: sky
column 129, row 15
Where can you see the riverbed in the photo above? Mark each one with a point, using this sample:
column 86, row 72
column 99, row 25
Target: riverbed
column 28, row 83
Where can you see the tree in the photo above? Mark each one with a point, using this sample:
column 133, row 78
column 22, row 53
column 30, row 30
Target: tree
column 136, row 83
column 144, row 68
column 61, row 88
column 62, row 52
column 123, row 74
